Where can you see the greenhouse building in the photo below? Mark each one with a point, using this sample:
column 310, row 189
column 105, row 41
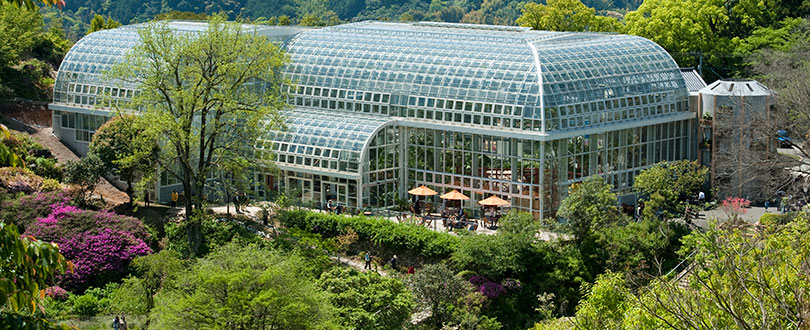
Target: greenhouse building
column 378, row 108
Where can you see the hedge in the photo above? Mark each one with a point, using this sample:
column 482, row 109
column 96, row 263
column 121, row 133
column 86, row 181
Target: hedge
column 383, row 233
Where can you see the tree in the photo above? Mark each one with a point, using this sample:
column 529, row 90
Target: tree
column 98, row 23
column 511, row 252
column 85, row 173
column 284, row 20
column 735, row 278
column 206, row 97
column 136, row 295
column 779, row 69
column 7, row 155
column 565, row 15
column 367, row 300
column 311, row 20
column 32, row 4
column 244, row 287
column 123, row 151
column 674, row 181
column 20, row 32
column 26, row 265
column 690, row 27
column 589, row 204
column 437, row 288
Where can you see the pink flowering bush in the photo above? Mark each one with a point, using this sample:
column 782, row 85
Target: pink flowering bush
column 100, row 257
column 488, row 288
column 734, row 207
column 25, row 210
column 99, row 243
column 56, row 293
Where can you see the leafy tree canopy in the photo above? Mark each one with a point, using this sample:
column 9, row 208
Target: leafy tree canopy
column 368, row 300
column 244, row 287
column 98, row 23
column 565, row 15
column 203, row 96
column 590, row 204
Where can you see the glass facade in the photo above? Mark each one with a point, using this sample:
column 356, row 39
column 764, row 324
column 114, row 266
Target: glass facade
column 379, row 107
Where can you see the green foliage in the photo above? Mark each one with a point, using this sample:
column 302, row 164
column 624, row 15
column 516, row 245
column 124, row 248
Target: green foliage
column 98, row 23
column 367, row 300
column 84, row 173
column 25, row 265
column 739, row 277
column 673, row 182
column 566, row 15
column 21, row 29
column 640, row 249
column 589, row 205
column 436, row 287
column 151, row 274
column 512, row 252
column 181, row 15
column 776, row 219
column 93, row 302
column 123, row 150
column 214, row 232
column 208, row 76
column 383, row 234
column 7, row 156
column 241, row 287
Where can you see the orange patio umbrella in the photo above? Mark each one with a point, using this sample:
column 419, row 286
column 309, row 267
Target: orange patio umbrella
column 422, row 191
column 454, row 195
column 493, row 201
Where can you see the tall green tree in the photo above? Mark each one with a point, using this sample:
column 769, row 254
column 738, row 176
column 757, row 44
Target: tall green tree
column 206, row 96
column 437, row 288
column 669, row 183
column 98, row 23
column 566, row 15
column 244, row 287
column 123, row 151
column 590, row 204
column 367, row 300
column 20, row 33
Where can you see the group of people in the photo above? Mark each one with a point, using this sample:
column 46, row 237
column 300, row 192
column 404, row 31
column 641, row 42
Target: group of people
column 330, row 207
column 120, row 323
column 368, row 258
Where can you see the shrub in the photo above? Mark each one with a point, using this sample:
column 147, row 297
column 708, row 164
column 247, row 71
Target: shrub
column 100, row 243
column 56, row 293
column 28, row 208
column 20, row 180
column 384, row 234
column 773, row 219
column 46, row 168
column 215, row 232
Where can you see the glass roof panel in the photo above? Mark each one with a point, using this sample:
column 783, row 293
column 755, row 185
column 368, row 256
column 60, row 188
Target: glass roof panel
column 324, row 139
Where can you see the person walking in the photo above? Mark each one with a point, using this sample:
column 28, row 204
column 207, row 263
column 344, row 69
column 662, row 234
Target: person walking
column 124, row 325
column 367, row 258
column 175, row 196
column 236, row 202
column 116, row 323
column 394, row 263
column 329, row 207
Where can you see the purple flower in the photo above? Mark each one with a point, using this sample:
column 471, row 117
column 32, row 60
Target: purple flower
column 56, row 293
column 491, row 289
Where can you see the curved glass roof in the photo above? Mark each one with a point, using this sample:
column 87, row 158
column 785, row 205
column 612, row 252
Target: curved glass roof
column 324, row 140
column 464, row 69
column 453, row 73
column 79, row 80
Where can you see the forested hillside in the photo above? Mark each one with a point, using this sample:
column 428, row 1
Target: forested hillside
column 471, row 11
